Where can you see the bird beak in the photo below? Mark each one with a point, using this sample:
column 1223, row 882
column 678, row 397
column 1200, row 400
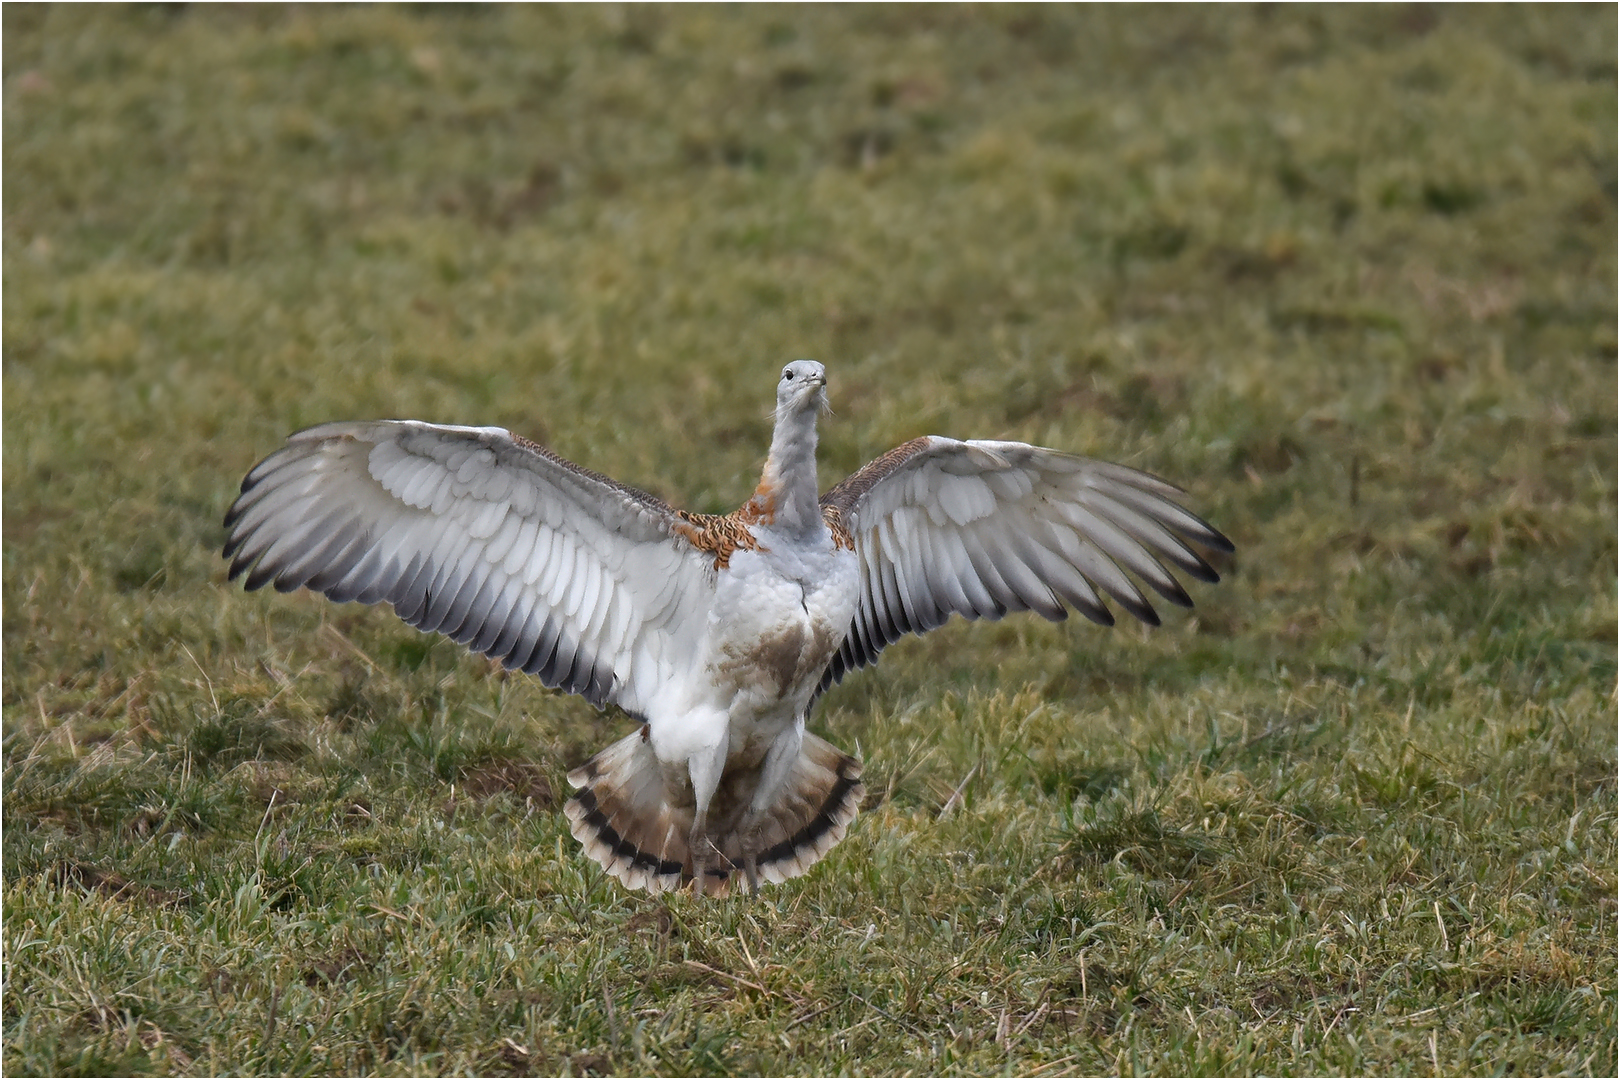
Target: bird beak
column 821, row 395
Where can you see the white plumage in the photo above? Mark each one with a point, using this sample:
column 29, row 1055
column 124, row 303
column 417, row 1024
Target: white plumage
column 716, row 632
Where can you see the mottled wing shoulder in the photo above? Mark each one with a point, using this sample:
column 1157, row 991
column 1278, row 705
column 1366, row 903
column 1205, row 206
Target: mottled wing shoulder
column 853, row 488
column 718, row 535
column 651, row 503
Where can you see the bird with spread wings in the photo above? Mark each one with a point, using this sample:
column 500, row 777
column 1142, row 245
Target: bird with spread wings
column 716, row 632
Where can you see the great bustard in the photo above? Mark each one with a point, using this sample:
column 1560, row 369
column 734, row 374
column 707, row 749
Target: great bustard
column 716, row 632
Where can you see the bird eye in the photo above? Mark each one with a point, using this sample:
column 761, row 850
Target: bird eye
column 788, row 375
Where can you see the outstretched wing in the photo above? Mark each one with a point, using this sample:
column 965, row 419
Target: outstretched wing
column 487, row 538
column 984, row 528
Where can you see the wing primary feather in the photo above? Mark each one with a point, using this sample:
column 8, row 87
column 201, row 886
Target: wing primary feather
column 253, row 542
column 1174, row 515
column 545, row 647
column 304, row 548
column 562, row 661
column 1020, row 572
column 1125, row 476
column 989, row 574
column 448, row 583
column 289, row 575
column 341, row 563
column 1153, row 535
column 255, row 489
column 1071, row 585
column 474, row 613
column 1098, row 525
column 1104, row 573
column 410, row 593
column 460, row 590
column 505, row 620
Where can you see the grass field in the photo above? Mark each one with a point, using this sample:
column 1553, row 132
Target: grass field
column 1349, row 275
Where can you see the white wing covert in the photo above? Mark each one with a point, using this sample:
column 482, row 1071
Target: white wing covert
column 487, row 538
column 981, row 528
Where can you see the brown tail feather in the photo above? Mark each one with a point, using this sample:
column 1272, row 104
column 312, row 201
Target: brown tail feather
column 820, row 798
column 625, row 821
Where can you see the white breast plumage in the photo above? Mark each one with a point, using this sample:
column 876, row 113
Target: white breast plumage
column 775, row 628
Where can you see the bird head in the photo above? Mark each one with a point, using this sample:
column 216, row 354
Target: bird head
column 803, row 386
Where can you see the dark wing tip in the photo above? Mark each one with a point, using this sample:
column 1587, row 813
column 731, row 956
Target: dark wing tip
column 1198, row 569
column 1144, row 612
column 259, row 578
column 1215, row 540
column 1172, row 591
column 1097, row 613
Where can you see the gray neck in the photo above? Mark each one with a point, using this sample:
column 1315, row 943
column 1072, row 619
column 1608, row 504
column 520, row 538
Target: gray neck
column 787, row 490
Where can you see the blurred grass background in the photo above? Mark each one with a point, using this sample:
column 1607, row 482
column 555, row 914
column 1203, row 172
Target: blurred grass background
column 1348, row 274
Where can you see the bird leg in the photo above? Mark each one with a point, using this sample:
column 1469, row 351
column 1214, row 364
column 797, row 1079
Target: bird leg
column 703, row 851
column 698, row 843
column 704, row 769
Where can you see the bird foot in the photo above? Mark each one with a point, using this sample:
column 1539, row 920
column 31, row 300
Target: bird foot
column 703, row 853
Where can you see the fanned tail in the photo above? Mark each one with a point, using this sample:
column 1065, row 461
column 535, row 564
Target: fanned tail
column 626, row 823
column 624, row 817
column 819, row 799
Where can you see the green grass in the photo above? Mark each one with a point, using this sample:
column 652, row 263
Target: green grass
column 1347, row 274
